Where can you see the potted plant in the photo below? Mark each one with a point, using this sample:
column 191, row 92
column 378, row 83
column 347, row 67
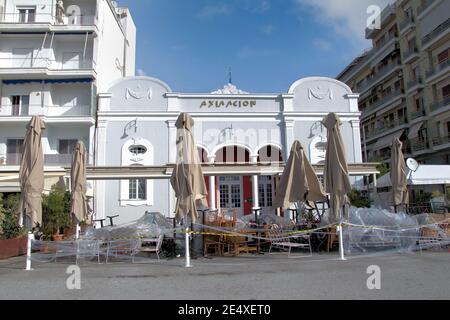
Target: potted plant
column 13, row 239
column 55, row 216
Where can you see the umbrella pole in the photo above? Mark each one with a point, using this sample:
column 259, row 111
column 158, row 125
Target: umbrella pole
column 188, row 254
column 341, row 239
column 77, row 233
column 29, row 243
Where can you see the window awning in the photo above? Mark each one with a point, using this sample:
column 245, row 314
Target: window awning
column 414, row 130
column 387, row 141
column 46, row 81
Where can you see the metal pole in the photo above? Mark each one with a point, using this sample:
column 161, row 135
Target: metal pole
column 188, row 255
column 341, row 242
column 29, row 243
column 77, row 233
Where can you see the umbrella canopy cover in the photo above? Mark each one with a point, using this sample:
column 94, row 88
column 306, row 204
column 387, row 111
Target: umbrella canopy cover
column 299, row 181
column 31, row 174
column 187, row 178
column 399, row 174
column 79, row 207
column 337, row 180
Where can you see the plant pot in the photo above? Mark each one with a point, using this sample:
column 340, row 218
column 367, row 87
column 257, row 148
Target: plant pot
column 13, row 247
column 58, row 237
column 69, row 232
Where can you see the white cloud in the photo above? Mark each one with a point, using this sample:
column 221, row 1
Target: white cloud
column 212, row 10
column 347, row 17
column 250, row 52
column 141, row 73
column 322, row 45
column 256, row 6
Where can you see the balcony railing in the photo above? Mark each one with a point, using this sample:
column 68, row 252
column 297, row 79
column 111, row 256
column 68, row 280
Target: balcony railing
column 417, row 114
column 405, row 23
column 424, row 6
column 438, row 141
column 46, row 18
column 47, row 111
column 13, row 159
column 441, row 66
column 46, row 63
column 436, row 32
column 386, row 126
column 410, row 53
column 418, row 144
column 379, row 75
column 382, row 101
column 440, row 104
column 414, row 82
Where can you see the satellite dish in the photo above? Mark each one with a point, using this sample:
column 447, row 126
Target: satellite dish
column 412, row 164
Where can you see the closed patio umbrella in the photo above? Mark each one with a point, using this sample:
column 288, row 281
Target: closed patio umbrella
column 298, row 182
column 79, row 208
column 337, row 180
column 187, row 178
column 398, row 175
column 31, row 175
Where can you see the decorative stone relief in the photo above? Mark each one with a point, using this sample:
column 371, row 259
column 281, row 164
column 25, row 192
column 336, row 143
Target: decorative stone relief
column 320, row 94
column 229, row 89
column 139, row 93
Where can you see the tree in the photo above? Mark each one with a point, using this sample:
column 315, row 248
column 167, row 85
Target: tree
column 55, row 212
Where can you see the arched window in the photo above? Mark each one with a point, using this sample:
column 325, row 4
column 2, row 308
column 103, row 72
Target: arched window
column 136, row 192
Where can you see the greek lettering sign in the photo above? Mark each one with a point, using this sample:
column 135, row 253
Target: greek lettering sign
column 228, row 104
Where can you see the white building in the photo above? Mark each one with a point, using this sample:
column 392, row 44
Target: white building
column 136, row 127
column 54, row 58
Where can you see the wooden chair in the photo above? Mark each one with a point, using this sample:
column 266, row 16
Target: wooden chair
column 212, row 242
column 333, row 238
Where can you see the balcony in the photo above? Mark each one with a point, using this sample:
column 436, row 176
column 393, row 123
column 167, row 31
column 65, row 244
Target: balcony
column 47, row 18
column 425, row 6
column 386, row 100
column 418, row 144
column 439, row 141
column 412, row 55
column 46, row 111
column 387, row 12
column 406, row 24
column 414, row 84
column 417, row 114
column 436, row 34
column 385, row 127
column 65, row 160
column 440, row 106
column 380, row 75
column 438, row 71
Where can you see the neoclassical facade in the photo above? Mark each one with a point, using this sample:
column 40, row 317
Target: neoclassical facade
column 136, row 127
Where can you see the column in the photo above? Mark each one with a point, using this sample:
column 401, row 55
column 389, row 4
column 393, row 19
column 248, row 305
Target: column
column 255, row 186
column 100, row 185
column 172, row 156
column 212, row 186
column 289, row 137
column 356, row 133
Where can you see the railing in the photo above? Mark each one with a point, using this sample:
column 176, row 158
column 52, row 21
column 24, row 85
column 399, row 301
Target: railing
column 438, row 141
column 414, row 82
column 13, row 159
column 382, row 101
column 436, row 32
column 410, row 53
column 418, row 144
column 48, row 111
column 386, row 126
column 46, row 63
column 46, row 18
column 440, row 104
column 417, row 114
column 380, row 74
column 424, row 6
column 441, row 66
column 408, row 21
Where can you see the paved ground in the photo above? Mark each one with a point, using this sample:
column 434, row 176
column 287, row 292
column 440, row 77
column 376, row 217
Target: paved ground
column 409, row 276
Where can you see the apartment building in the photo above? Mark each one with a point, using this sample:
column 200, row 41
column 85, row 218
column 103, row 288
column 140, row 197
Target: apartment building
column 55, row 56
column 404, row 83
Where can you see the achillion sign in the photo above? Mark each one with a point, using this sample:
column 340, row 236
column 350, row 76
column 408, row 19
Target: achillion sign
column 228, row 104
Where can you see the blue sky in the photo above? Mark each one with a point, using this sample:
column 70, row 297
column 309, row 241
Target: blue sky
column 268, row 44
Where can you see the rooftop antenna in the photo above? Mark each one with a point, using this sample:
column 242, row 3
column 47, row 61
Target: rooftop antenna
column 229, row 76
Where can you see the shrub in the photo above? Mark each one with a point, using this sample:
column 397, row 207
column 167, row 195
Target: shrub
column 357, row 200
column 55, row 211
column 9, row 223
